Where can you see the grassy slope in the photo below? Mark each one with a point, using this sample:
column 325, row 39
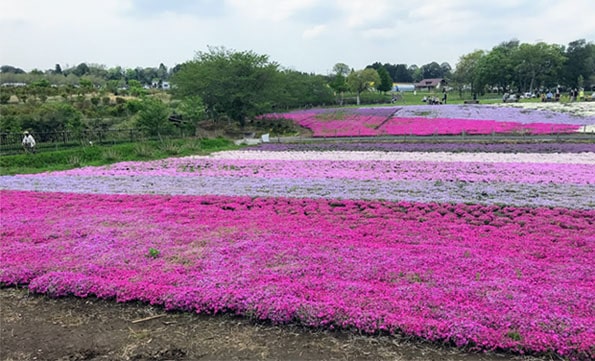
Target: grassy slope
column 101, row 155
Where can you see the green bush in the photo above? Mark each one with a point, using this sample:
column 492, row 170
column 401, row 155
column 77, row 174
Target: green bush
column 143, row 150
column 111, row 155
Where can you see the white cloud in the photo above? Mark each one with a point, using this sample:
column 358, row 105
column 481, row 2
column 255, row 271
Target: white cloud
column 365, row 13
column 313, row 32
column 269, row 10
column 307, row 35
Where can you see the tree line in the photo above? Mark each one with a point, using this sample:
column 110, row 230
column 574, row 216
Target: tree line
column 521, row 67
column 98, row 75
column 223, row 84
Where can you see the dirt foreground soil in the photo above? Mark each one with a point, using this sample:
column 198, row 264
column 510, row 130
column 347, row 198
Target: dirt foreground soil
column 35, row 327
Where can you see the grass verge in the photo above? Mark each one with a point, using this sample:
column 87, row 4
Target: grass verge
column 97, row 155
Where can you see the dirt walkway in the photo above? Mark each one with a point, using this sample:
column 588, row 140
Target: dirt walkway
column 35, row 327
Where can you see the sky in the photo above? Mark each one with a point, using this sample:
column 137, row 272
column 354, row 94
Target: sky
column 304, row 35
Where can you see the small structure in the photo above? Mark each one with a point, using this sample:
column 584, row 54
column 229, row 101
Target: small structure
column 430, row 84
column 403, row 87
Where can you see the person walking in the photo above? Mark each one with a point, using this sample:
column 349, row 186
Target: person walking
column 28, row 143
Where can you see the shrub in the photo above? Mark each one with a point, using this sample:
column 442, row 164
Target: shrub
column 143, row 150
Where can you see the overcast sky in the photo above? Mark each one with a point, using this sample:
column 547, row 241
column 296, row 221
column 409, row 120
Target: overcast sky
column 304, row 35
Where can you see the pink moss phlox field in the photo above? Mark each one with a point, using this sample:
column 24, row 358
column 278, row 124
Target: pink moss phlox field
column 430, row 120
column 486, row 277
column 447, row 126
column 520, row 172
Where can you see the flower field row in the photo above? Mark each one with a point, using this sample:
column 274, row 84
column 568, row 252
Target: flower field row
column 457, row 147
column 507, row 113
column 524, row 179
column 290, row 165
column 451, row 126
column 485, row 277
column 576, row 109
column 463, row 244
column 536, row 195
column 375, row 156
column 432, row 120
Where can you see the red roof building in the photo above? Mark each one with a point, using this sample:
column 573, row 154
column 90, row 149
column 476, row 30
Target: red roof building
column 430, row 84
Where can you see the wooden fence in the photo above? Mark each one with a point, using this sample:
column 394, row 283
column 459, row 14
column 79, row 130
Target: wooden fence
column 10, row 143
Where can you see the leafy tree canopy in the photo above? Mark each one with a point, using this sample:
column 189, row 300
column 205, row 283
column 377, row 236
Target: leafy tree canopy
column 386, row 82
column 232, row 83
column 466, row 70
column 362, row 80
column 152, row 117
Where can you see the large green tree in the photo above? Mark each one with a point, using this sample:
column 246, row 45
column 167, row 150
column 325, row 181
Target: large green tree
column 302, row 89
column 466, row 74
column 338, row 80
column 51, row 120
column 341, row 69
column 538, row 64
column 386, row 82
column 237, row 84
column 191, row 111
column 402, row 74
column 415, row 71
column 152, row 117
column 580, row 63
column 362, row 80
column 432, row 70
column 397, row 72
column 495, row 70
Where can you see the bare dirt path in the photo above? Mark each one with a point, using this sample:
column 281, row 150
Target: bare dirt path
column 35, row 327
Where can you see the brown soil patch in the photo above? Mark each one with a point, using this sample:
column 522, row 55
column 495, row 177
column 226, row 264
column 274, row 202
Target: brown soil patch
column 35, row 327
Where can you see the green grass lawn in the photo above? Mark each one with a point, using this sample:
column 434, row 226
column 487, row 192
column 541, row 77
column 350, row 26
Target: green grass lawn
column 409, row 98
column 96, row 155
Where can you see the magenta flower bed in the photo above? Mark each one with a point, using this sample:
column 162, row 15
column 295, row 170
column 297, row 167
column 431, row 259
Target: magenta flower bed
column 486, row 277
column 323, row 124
column 442, row 120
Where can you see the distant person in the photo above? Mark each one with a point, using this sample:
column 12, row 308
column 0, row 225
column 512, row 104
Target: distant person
column 444, row 96
column 28, row 142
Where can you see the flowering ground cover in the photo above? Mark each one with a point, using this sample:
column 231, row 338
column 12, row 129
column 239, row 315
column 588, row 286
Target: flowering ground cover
column 340, row 122
column 454, row 147
column 450, row 126
column 477, row 276
column 435, row 120
column 476, row 249
column 501, row 113
column 524, row 179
